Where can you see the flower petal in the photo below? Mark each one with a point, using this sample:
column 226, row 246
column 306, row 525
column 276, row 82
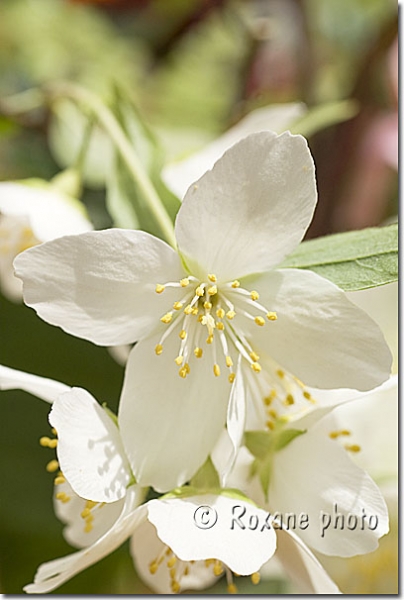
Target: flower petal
column 302, row 566
column 50, row 213
column 43, row 388
column 69, row 512
column 100, row 285
column 169, row 425
column 277, row 117
column 52, row 574
column 239, row 537
column 319, row 336
column 315, row 476
column 247, row 213
column 90, row 450
column 146, row 547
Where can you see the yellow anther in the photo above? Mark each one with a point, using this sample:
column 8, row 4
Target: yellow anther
column 216, row 370
column 209, row 339
column 186, row 571
column 272, row 316
column 220, row 313
column 153, row 566
column 59, row 480
column 187, row 368
column 195, row 311
column 254, row 356
column 334, row 434
column 235, row 284
column 352, row 447
column 231, row 377
column 88, row 527
column 52, row 443
column 158, row 349
column 89, row 518
column 220, row 326
column 167, row 318
column 270, row 425
column 175, row 587
column 231, row 588
column 268, row 400
column 254, row 295
column 307, row 395
column 218, row 569
column 259, row 321
column 229, row 362
column 198, row 352
column 212, row 290
column 255, row 578
column 188, row 309
column 84, row 513
column 90, row 504
column 280, row 373
column 209, row 561
column 54, row 431
column 201, row 319
column 173, row 573
column 177, row 305
column 160, row 288
column 345, row 432
column 179, row 360
column 199, row 291
column 52, row 466
column 182, row 334
column 272, row 413
column 184, row 282
column 256, row 367
column 289, row 400
column 207, row 305
column 230, row 314
column 171, row 562
column 63, row 497
column 44, row 441
column 212, row 278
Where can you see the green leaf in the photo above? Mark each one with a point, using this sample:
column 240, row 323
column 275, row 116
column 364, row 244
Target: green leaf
column 285, row 437
column 259, row 443
column 206, row 477
column 354, row 260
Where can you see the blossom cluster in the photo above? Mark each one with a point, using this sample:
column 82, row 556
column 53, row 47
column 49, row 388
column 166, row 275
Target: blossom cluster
column 236, row 368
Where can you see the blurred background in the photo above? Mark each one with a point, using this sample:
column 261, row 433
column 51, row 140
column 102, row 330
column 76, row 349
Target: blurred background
column 192, row 69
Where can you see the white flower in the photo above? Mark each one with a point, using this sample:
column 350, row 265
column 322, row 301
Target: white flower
column 170, row 551
column 179, row 175
column 32, row 213
column 265, row 331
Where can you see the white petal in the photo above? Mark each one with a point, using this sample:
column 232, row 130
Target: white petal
column 43, row 388
column 50, row 213
column 376, row 412
column 52, row 574
column 146, row 547
column 69, row 512
column 251, row 210
column 314, row 476
column 277, row 117
column 302, row 566
column 169, row 425
column 319, row 336
column 381, row 303
column 243, row 550
column 90, row 450
column 100, row 285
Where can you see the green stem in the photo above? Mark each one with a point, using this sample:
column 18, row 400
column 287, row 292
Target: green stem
column 109, row 123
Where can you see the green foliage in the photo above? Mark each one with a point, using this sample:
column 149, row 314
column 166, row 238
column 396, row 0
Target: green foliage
column 354, row 260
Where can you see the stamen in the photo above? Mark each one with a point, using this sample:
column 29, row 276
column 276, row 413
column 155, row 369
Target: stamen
column 255, row 578
column 207, row 305
column 59, row 480
column 212, row 290
column 167, row 318
column 272, row 316
column 230, row 314
column 158, row 349
column 200, row 290
column 198, row 352
column 220, row 326
column 209, row 339
column 235, row 284
column 256, row 367
column 280, row 373
column 212, row 278
column 289, row 400
column 259, row 321
column 216, row 370
column 179, row 360
column 63, row 497
column 182, row 334
column 220, row 313
column 177, row 305
column 254, row 356
column 229, row 362
column 231, row 377
column 52, row 466
column 352, row 447
column 160, row 288
column 218, row 568
column 184, row 282
column 254, row 295
column 171, row 562
column 188, row 309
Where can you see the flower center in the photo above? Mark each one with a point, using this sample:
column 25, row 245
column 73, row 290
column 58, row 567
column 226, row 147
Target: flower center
column 209, row 309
